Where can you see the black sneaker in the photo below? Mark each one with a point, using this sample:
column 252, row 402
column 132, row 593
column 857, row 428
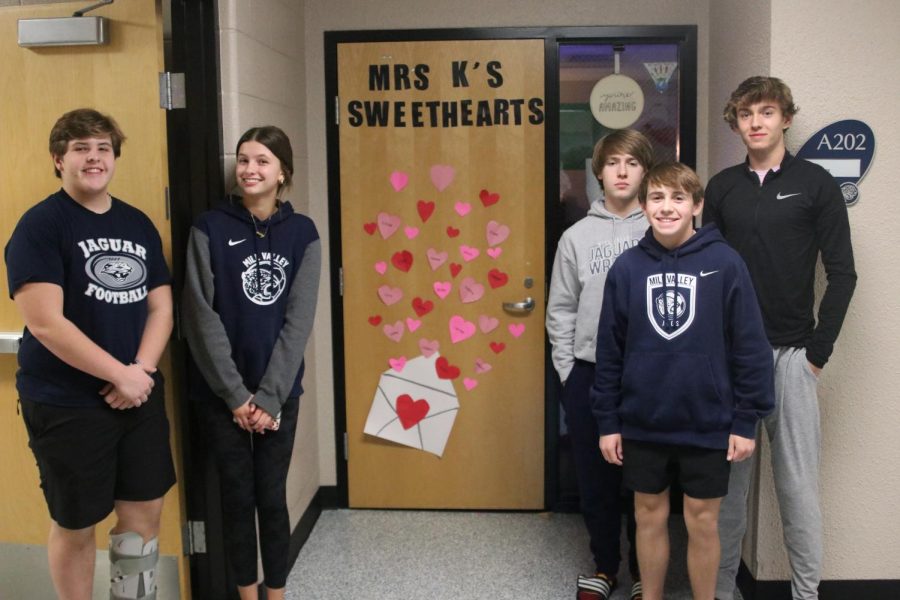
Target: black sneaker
column 599, row 586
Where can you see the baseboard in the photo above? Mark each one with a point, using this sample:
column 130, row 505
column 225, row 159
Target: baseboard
column 844, row 589
column 302, row 530
column 328, row 497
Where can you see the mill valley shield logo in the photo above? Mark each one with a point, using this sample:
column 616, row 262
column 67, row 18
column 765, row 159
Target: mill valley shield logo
column 670, row 303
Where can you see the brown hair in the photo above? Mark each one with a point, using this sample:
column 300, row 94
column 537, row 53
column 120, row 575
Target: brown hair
column 757, row 89
column 83, row 123
column 622, row 141
column 278, row 144
column 674, row 175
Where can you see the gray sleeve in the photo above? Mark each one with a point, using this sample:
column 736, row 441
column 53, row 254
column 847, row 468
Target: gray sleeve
column 203, row 328
column 298, row 321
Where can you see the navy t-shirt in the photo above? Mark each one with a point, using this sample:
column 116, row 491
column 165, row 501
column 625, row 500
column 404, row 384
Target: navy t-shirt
column 105, row 264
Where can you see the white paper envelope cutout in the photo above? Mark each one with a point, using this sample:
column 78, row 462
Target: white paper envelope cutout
column 414, row 407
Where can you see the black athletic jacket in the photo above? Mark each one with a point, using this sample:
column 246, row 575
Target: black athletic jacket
column 780, row 228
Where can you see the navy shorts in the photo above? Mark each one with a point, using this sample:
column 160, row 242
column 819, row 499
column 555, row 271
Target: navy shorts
column 89, row 457
column 651, row 468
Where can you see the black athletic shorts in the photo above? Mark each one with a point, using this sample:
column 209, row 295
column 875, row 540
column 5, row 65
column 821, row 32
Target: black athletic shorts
column 89, row 457
column 651, row 468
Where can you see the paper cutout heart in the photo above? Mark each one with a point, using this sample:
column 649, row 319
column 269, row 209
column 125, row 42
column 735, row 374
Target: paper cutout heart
column 399, row 179
column 455, row 268
column 387, row 224
column 469, row 253
column 398, row 363
column 410, row 411
column 425, row 209
column 469, row 383
column 452, row 231
column 460, row 329
column 422, row 307
column 403, row 260
column 462, row 208
column 487, row 324
column 412, row 324
column 374, row 320
column 516, row 329
column 444, row 369
column 395, row 331
column 470, row 290
column 494, row 252
column 381, row 267
column 487, row 198
column 497, row 278
column 497, row 347
column 442, row 288
column 442, row 176
column 390, row 295
column 435, row 258
column 481, row 366
column 370, row 227
column 411, row 232
column 428, row 347
column 496, row 233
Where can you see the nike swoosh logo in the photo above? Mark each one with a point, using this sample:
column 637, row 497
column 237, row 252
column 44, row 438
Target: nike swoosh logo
column 705, row 273
column 233, row 243
column 781, row 196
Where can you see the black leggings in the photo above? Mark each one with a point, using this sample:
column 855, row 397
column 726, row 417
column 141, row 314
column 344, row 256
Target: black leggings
column 253, row 474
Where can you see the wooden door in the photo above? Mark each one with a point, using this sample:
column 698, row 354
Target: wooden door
column 37, row 85
column 442, row 222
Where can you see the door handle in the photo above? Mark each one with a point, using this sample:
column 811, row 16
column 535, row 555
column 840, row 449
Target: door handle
column 524, row 307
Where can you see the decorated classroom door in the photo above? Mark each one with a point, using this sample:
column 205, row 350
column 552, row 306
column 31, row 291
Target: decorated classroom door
column 442, row 228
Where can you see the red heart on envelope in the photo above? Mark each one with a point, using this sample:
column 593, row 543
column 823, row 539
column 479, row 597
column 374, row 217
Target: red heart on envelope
column 452, row 231
column 497, row 347
column 455, row 268
column 374, row 319
column 444, row 369
column 425, row 209
column 411, row 411
column 422, row 307
column 370, row 227
column 487, row 198
column 402, row 260
column 497, row 278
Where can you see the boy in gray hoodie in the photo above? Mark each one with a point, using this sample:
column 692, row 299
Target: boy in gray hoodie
column 585, row 254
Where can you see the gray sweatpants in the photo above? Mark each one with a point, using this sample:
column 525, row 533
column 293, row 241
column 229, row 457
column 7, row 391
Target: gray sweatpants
column 795, row 439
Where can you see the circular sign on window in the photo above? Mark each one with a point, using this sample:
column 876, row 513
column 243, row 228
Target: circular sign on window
column 617, row 101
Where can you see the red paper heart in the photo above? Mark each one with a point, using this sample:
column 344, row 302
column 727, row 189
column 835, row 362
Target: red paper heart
column 422, row 307
column 374, row 320
column 498, row 347
column 370, row 227
column 455, row 268
column 452, row 231
column 487, row 198
column 402, row 260
column 425, row 209
column 444, row 369
column 497, row 278
column 411, row 411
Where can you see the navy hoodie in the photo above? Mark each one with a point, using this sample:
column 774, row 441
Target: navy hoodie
column 249, row 301
column 682, row 355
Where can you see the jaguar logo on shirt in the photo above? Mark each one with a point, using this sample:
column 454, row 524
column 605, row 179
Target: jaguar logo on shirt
column 264, row 278
column 116, row 269
column 671, row 299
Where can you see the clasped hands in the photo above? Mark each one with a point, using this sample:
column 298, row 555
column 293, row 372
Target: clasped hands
column 251, row 417
column 131, row 387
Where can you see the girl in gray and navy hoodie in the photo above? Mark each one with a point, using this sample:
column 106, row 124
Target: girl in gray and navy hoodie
column 252, row 279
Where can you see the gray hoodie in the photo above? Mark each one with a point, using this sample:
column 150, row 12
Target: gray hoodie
column 585, row 253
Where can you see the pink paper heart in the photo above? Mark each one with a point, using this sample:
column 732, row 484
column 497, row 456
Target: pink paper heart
column 412, row 324
column 495, row 252
column 398, row 363
column 462, row 208
column 487, row 324
column 468, row 253
column 428, row 347
column 411, row 232
column 496, row 233
column 390, row 295
column 469, row 383
column 395, row 331
column 442, row 176
column 470, row 290
column 460, row 329
column 435, row 258
column 381, row 267
column 516, row 329
column 442, row 288
column 387, row 224
column 399, row 179
column 481, row 366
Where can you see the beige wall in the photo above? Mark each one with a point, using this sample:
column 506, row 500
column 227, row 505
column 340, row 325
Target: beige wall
column 263, row 83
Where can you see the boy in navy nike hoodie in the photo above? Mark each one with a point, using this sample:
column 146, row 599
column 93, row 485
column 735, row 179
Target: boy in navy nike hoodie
column 684, row 373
